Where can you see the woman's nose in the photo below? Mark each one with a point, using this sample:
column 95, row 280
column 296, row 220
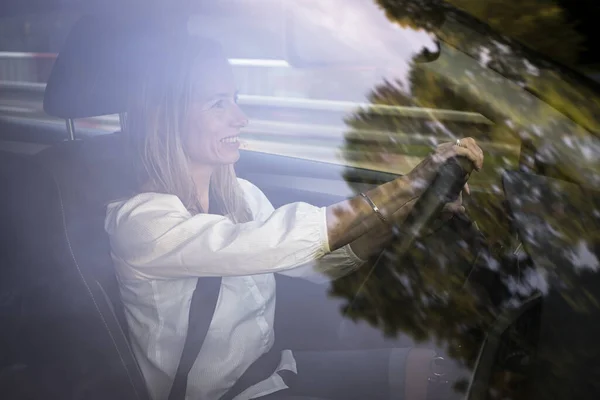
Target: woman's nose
column 240, row 119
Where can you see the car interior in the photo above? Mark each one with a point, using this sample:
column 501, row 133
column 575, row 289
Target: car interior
column 63, row 326
column 65, row 334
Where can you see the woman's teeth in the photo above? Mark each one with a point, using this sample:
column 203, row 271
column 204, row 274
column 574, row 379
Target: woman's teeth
column 231, row 139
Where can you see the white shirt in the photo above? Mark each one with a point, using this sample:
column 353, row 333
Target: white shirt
column 159, row 249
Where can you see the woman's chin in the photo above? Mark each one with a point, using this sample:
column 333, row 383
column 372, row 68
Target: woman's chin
column 230, row 158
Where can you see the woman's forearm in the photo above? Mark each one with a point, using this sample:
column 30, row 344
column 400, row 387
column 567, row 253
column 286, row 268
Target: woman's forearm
column 371, row 243
column 354, row 221
column 374, row 241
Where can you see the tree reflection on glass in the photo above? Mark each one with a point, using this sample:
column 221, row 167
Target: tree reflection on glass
column 527, row 113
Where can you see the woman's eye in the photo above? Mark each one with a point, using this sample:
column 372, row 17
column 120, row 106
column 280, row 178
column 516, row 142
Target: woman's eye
column 220, row 104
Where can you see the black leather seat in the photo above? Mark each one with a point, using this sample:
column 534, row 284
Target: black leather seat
column 63, row 333
column 63, row 330
column 19, row 210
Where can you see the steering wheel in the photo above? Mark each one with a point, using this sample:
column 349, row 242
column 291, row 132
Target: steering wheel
column 445, row 188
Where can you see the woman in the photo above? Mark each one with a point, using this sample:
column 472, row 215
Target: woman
column 193, row 218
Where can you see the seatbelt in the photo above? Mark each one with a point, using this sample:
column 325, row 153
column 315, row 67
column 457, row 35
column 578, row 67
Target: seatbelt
column 202, row 308
column 260, row 370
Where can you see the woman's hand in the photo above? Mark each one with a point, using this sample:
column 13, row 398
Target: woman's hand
column 423, row 174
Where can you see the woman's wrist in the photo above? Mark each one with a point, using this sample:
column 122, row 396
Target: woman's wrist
column 394, row 195
column 399, row 193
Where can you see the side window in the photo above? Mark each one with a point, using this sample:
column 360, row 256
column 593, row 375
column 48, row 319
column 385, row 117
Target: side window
column 382, row 96
column 346, row 83
column 28, row 47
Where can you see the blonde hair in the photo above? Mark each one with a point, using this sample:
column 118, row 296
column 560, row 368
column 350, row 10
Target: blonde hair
column 155, row 118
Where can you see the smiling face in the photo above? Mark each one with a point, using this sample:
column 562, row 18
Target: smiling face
column 214, row 119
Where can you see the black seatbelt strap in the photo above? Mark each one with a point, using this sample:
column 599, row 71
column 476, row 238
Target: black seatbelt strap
column 202, row 308
column 260, row 370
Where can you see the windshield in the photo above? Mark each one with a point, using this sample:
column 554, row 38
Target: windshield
column 347, row 94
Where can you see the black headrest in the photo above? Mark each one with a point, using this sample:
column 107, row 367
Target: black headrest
column 97, row 67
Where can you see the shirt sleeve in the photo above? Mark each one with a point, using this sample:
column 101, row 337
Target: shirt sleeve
column 153, row 236
column 331, row 266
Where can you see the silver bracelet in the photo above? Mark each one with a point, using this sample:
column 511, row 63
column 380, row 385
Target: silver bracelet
column 375, row 208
